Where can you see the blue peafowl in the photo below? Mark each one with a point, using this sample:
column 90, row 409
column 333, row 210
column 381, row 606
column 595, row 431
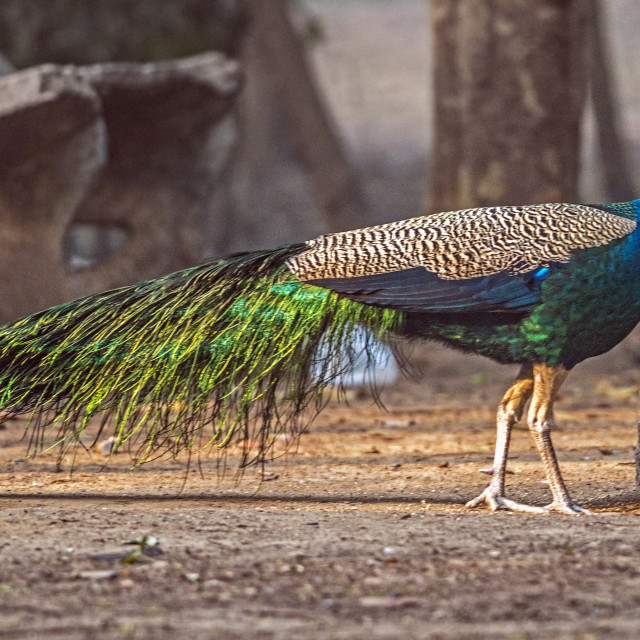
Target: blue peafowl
column 240, row 349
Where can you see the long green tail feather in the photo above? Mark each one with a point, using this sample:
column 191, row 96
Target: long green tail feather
column 223, row 351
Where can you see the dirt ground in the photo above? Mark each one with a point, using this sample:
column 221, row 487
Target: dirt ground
column 362, row 533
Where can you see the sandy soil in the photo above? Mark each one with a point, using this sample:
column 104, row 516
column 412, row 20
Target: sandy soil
column 360, row 534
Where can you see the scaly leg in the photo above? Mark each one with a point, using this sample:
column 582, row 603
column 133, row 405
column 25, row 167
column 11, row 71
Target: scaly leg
column 509, row 412
column 547, row 381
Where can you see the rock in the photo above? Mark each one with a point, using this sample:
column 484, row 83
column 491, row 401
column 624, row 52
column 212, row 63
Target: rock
column 51, row 151
column 170, row 137
column 98, row 575
column 72, row 32
column 5, row 66
column 367, row 363
column 387, row 602
column 126, row 150
column 105, row 447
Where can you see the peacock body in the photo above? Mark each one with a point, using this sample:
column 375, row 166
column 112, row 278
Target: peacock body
column 241, row 348
column 554, row 284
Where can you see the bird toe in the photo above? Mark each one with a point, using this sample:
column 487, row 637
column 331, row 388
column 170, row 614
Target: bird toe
column 497, row 502
column 567, row 508
column 494, row 500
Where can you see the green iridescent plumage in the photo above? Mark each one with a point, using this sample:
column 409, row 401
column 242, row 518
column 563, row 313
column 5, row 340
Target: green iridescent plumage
column 199, row 357
column 581, row 311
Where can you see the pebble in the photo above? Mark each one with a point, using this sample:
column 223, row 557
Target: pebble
column 385, row 602
column 373, row 581
column 98, row 575
column 214, row 584
column 105, row 447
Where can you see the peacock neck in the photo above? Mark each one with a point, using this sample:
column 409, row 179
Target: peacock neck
column 629, row 210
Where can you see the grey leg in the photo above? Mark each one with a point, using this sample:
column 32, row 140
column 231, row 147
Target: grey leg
column 547, row 381
column 509, row 412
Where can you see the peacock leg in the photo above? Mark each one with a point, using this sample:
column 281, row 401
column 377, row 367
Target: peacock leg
column 547, row 381
column 509, row 412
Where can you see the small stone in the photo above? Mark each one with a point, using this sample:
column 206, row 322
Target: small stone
column 214, row 583
column 385, row 602
column 98, row 575
column 105, row 447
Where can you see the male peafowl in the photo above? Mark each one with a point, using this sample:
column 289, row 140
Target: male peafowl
column 241, row 348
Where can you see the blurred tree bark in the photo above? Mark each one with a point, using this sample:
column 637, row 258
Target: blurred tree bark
column 282, row 58
column 510, row 86
column 617, row 176
column 78, row 32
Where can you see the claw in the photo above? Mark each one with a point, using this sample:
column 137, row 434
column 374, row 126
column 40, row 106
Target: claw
column 490, row 497
column 567, row 508
column 497, row 502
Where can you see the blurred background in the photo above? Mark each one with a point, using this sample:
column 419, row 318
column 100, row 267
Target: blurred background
column 128, row 149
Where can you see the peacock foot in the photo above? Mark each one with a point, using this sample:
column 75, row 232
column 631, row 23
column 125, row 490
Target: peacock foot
column 497, row 502
column 494, row 499
column 566, row 508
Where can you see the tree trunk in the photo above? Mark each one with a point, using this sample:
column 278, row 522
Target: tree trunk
column 612, row 154
column 307, row 123
column 509, row 93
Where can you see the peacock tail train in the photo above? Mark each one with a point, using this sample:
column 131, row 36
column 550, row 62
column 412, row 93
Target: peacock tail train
column 242, row 348
column 225, row 351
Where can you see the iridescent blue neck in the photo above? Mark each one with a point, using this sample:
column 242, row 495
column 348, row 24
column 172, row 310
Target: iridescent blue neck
column 629, row 209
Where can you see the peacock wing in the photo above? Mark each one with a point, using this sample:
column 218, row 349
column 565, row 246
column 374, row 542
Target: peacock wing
column 489, row 259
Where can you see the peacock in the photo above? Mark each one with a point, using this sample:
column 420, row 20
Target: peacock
column 241, row 349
